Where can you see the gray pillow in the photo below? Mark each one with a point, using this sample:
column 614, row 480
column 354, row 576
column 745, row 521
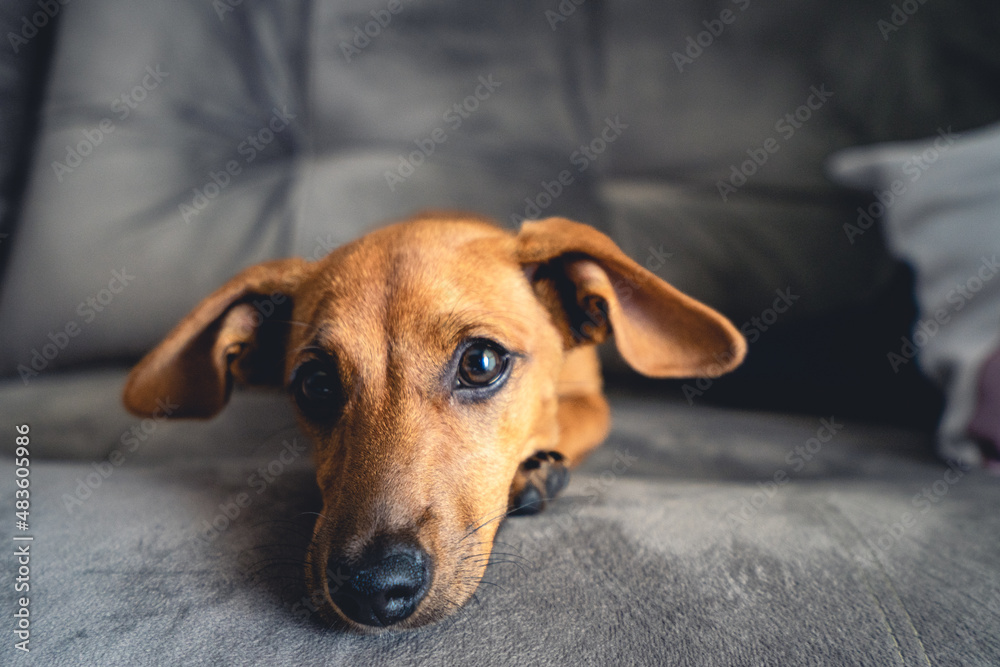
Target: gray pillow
column 938, row 201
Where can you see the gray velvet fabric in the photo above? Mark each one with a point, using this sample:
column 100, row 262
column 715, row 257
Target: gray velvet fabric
column 695, row 536
column 669, row 547
column 182, row 141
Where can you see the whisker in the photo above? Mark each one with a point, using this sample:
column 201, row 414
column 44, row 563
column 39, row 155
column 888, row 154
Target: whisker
column 510, row 562
column 509, row 554
column 273, row 545
column 278, row 567
column 494, row 553
column 277, row 560
column 502, row 514
column 298, row 531
column 260, row 576
column 301, row 324
column 272, row 571
column 289, row 582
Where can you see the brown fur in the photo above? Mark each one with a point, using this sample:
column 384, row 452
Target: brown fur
column 391, row 308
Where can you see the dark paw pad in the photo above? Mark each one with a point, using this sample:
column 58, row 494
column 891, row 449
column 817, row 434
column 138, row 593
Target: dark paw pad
column 539, row 479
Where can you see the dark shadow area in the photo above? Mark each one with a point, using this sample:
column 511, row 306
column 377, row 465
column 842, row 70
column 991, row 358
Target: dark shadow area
column 836, row 364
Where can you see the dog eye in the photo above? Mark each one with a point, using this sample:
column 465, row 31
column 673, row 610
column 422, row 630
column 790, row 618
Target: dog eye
column 483, row 363
column 317, row 390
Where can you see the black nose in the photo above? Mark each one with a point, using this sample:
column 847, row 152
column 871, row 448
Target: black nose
column 384, row 586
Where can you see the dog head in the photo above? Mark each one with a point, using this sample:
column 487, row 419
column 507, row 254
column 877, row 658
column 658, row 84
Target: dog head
column 423, row 360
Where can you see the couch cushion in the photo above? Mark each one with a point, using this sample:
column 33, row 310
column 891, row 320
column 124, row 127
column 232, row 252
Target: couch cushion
column 181, row 144
column 81, row 416
column 705, row 86
column 673, row 544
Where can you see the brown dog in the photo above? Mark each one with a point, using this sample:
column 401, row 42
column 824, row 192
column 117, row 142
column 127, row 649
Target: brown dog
column 446, row 371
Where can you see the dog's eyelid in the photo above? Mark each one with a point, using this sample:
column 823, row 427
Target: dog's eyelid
column 473, row 335
column 491, row 341
column 314, row 350
column 311, row 352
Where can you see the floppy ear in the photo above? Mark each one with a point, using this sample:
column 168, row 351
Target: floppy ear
column 658, row 330
column 237, row 333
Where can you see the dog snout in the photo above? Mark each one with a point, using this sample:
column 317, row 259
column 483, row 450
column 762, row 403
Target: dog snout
column 385, row 585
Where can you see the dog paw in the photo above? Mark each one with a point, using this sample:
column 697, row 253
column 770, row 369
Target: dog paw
column 539, row 478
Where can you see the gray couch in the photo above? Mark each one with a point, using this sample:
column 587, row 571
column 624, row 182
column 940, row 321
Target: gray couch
column 793, row 513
